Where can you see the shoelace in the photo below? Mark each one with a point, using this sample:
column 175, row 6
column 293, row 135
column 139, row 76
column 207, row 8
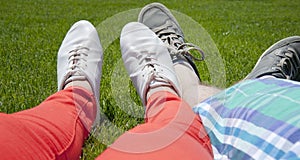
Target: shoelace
column 289, row 65
column 150, row 64
column 175, row 42
column 152, row 70
column 77, row 62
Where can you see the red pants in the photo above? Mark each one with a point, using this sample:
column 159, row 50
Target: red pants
column 57, row 128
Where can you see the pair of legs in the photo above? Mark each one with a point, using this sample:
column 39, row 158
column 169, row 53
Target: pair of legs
column 57, row 128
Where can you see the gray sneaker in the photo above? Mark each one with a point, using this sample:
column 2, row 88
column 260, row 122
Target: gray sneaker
column 281, row 60
column 161, row 21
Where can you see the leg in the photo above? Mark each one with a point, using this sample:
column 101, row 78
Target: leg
column 160, row 20
column 172, row 130
column 57, row 128
column 193, row 91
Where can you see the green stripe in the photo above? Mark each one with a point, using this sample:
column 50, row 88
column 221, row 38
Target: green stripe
column 265, row 98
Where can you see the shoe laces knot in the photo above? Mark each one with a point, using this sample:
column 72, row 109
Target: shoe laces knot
column 289, row 64
column 152, row 70
column 175, row 42
column 77, row 62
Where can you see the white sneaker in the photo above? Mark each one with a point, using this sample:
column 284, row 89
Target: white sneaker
column 80, row 58
column 147, row 60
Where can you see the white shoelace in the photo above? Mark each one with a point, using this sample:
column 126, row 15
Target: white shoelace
column 175, row 42
column 152, row 71
column 77, row 62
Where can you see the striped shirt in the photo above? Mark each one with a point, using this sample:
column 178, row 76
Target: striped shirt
column 254, row 119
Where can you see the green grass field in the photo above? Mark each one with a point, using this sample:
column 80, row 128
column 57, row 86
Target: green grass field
column 32, row 30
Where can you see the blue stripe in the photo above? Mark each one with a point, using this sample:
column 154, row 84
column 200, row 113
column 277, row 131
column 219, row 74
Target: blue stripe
column 282, row 122
column 278, row 82
column 228, row 150
column 281, row 128
column 291, row 156
column 243, row 135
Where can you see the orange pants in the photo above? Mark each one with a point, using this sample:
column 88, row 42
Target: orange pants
column 171, row 131
column 57, row 128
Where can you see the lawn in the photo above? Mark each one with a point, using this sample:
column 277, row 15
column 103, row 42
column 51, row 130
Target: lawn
column 236, row 32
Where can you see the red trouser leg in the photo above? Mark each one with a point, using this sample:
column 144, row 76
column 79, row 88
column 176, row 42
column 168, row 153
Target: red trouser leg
column 55, row 129
column 171, row 131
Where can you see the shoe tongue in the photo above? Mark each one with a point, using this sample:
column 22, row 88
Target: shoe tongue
column 157, row 82
column 77, row 75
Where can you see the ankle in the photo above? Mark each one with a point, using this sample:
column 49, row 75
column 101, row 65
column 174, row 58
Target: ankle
column 183, row 63
column 159, row 89
column 78, row 83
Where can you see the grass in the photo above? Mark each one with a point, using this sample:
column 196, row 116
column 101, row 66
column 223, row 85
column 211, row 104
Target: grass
column 32, row 30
